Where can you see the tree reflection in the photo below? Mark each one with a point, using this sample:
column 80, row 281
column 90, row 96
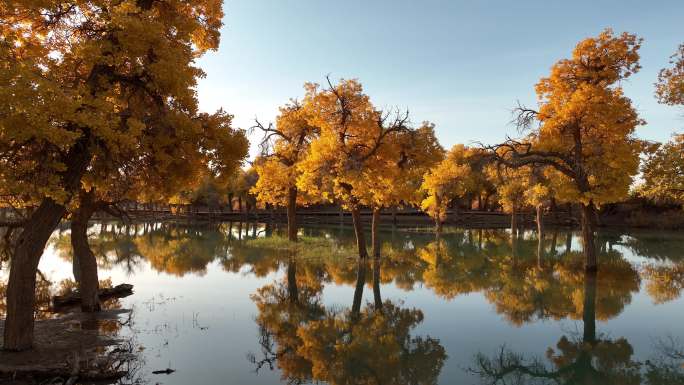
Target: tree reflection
column 586, row 360
column 589, row 359
column 169, row 248
column 369, row 345
column 665, row 270
column 525, row 280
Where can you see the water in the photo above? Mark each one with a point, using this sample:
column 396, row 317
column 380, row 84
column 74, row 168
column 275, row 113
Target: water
column 232, row 304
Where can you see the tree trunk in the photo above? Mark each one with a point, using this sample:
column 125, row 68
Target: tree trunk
column 375, row 240
column 485, row 205
column 540, row 220
column 21, row 286
column 376, row 285
column 358, row 231
column 88, row 285
column 292, row 214
column 439, row 219
column 394, row 215
column 540, row 234
column 514, row 223
column 76, row 267
column 540, row 249
column 292, row 289
column 358, row 291
column 438, row 226
column 588, row 237
column 589, row 311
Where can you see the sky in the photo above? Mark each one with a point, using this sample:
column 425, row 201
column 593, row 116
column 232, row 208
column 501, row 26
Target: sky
column 462, row 65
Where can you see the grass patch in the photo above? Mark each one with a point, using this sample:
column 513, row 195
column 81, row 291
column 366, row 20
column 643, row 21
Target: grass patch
column 305, row 247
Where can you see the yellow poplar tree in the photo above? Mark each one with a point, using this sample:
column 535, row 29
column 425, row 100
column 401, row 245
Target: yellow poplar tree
column 356, row 157
column 410, row 154
column 585, row 131
column 283, row 147
column 84, row 80
column 460, row 174
column 441, row 184
column 156, row 176
column 512, row 184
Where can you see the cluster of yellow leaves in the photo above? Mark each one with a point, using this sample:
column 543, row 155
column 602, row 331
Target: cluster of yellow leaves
column 278, row 167
column 461, row 174
column 670, row 85
column 444, row 182
column 118, row 76
column 512, row 186
column 362, row 156
column 587, row 123
column 663, row 172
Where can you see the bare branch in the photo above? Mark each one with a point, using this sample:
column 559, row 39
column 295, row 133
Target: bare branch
column 523, row 117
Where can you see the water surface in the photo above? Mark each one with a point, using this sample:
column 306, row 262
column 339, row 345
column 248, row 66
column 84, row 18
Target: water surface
column 234, row 304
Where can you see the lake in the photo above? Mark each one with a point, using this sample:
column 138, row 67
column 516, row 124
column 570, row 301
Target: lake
column 233, row 303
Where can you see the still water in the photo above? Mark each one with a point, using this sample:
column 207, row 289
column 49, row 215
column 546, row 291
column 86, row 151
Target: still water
column 234, row 304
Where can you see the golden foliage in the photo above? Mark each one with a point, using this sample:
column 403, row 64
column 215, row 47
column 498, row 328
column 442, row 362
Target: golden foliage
column 363, row 156
column 114, row 81
column 670, row 85
column 663, row 172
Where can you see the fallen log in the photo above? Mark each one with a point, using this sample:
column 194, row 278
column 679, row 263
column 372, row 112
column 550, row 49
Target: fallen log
column 74, row 298
column 166, row 371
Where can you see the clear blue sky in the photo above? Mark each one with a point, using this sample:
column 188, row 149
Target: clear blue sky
column 459, row 64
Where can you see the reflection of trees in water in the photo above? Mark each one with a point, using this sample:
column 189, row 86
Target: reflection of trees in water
column 665, row 282
column 282, row 308
column 527, row 292
column 372, row 345
column 539, row 274
column 589, row 359
column 661, row 245
column 521, row 285
column 170, row 248
column 665, row 276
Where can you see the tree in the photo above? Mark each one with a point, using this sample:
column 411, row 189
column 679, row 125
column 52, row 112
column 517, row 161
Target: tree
column 458, row 175
column 663, row 172
column 282, row 148
column 511, row 186
column 417, row 151
column 82, row 81
column 585, row 131
column 357, row 157
column 443, row 183
column 670, row 85
column 152, row 176
column 240, row 185
column 539, row 195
